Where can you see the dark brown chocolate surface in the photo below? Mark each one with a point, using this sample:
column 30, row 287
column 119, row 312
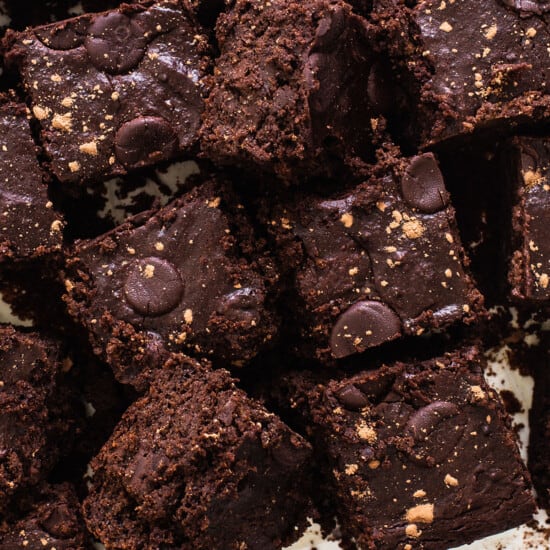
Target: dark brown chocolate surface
column 417, row 455
column 178, row 280
column 114, row 91
column 525, row 166
column 29, row 225
column 230, row 476
column 470, row 64
column 378, row 261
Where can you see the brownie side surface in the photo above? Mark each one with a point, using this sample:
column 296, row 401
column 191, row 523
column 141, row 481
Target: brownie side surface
column 525, row 168
column 195, row 463
column 50, row 518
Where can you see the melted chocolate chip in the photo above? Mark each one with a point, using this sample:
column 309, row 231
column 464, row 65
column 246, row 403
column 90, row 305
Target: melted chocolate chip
column 144, row 140
column 423, row 186
column 153, row 287
column 365, row 324
column 352, row 398
column 115, row 43
column 242, row 305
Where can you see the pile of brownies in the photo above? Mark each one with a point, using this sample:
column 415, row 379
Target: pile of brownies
column 294, row 324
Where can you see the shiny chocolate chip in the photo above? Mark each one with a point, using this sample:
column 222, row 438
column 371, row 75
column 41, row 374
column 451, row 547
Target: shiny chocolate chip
column 153, row 287
column 423, row 186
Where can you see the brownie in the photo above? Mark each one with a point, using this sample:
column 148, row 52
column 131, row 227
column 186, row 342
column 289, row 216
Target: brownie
column 525, row 163
column 417, row 454
column 375, row 262
column 188, row 277
column 196, row 463
column 52, row 520
column 114, row 91
column 294, row 88
column 469, row 64
column 30, row 226
column 38, row 415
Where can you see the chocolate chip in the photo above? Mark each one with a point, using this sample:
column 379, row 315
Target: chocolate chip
column 380, row 89
column 423, row 186
column 63, row 37
column 365, row 324
column 144, row 140
column 352, row 398
column 115, row 43
column 434, row 437
column 226, row 414
column 242, row 305
column 153, row 287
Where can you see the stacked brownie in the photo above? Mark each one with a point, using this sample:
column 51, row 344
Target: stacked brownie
column 282, row 320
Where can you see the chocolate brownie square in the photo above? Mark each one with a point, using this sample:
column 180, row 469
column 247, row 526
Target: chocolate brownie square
column 114, row 91
column 196, row 463
column 51, row 519
column 292, row 90
column 525, row 164
column 418, row 454
column 29, row 13
column 378, row 261
column 469, row 64
column 37, row 414
column 188, row 277
column 29, row 226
